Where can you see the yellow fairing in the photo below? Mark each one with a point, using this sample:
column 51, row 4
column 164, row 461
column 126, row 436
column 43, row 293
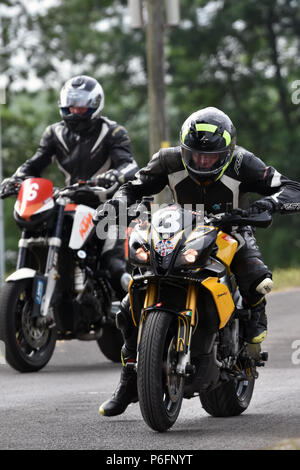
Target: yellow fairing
column 222, row 298
column 191, row 301
column 150, row 298
column 227, row 247
column 150, row 295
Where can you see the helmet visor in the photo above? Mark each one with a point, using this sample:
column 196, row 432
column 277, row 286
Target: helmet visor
column 204, row 162
column 78, row 98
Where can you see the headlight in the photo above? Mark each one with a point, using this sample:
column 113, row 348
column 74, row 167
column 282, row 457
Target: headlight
column 198, row 248
column 190, row 256
column 142, row 255
column 139, row 252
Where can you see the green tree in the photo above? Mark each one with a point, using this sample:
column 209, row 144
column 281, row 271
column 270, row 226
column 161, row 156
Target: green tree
column 242, row 57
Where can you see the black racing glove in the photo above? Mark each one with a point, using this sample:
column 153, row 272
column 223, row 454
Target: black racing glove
column 108, row 179
column 261, row 206
column 9, row 186
column 257, row 207
column 110, row 209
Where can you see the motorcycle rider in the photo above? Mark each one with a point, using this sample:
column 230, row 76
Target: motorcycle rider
column 209, row 168
column 86, row 145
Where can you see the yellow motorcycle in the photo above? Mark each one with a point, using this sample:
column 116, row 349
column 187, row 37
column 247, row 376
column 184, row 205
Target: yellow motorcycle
column 189, row 314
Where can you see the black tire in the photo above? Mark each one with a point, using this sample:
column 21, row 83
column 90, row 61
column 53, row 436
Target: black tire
column 27, row 348
column 230, row 399
column 160, row 394
column 111, row 342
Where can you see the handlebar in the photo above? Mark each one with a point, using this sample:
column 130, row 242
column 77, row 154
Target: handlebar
column 221, row 220
column 86, row 186
column 262, row 220
column 12, row 188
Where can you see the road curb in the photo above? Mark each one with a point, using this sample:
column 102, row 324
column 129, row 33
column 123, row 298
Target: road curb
column 286, row 444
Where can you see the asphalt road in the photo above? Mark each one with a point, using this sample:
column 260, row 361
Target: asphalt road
column 57, row 408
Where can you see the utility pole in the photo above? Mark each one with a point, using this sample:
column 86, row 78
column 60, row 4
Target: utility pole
column 158, row 127
column 2, row 246
column 155, row 29
column 2, row 250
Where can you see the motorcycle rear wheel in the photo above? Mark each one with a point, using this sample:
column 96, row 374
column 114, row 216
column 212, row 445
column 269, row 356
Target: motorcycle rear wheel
column 28, row 348
column 229, row 399
column 111, row 342
column 160, row 389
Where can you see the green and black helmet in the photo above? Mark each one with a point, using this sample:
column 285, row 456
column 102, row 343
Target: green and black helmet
column 207, row 140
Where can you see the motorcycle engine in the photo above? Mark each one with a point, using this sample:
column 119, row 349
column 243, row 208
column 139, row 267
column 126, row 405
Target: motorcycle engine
column 88, row 313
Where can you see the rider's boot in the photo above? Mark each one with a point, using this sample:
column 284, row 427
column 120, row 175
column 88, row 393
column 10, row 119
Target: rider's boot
column 126, row 391
column 256, row 327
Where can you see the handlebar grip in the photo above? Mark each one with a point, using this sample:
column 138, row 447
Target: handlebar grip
column 262, row 220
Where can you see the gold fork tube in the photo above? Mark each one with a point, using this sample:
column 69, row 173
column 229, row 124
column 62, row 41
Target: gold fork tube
column 150, row 298
column 191, row 301
column 150, row 295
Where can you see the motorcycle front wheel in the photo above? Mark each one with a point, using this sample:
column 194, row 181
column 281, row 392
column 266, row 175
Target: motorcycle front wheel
column 160, row 388
column 28, row 347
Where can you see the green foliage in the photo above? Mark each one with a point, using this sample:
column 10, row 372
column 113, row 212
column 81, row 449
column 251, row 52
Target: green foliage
column 241, row 56
column 286, row 278
column 241, row 62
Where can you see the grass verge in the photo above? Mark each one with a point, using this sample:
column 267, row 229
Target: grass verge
column 286, row 278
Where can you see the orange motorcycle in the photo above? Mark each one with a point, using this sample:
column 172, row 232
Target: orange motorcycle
column 58, row 290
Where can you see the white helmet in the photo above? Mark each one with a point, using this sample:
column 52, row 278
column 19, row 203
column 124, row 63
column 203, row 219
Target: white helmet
column 84, row 92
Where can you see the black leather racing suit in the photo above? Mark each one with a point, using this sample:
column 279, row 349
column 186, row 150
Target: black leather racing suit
column 245, row 174
column 106, row 145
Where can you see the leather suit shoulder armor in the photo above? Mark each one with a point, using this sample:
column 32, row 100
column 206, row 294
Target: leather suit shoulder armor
column 170, row 159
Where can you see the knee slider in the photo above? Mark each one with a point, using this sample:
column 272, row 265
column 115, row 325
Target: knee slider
column 125, row 281
column 265, row 286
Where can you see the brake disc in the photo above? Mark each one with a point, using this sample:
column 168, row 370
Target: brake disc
column 35, row 336
column 174, row 381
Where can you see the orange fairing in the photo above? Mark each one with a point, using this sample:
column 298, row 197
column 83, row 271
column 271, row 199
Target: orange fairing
column 29, row 211
column 227, row 247
column 222, row 298
column 35, row 196
column 70, row 207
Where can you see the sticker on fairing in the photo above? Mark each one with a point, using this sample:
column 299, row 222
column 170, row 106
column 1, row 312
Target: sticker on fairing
column 82, row 226
column 164, row 247
column 39, row 292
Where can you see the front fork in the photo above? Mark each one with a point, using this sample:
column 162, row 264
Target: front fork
column 150, row 299
column 44, row 285
column 51, row 272
column 22, row 252
column 186, row 323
